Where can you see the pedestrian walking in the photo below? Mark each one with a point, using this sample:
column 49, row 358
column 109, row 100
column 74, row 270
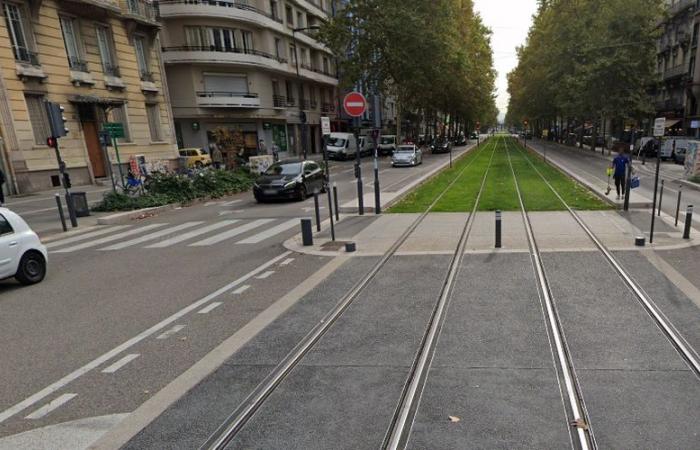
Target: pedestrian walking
column 2, row 183
column 619, row 166
column 216, row 157
column 262, row 149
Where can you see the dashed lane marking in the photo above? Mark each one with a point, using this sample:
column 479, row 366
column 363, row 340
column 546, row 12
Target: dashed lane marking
column 171, row 332
column 209, row 308
column 121, row 363
column 51, row 406
column 286, row 262
column 265, row 275
column 241, row 290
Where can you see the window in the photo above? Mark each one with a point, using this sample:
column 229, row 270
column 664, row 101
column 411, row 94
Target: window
column 290, row 90
column 247, row 41
column 304, row 59
column 71, row 38
column 221, row 82
column 107, row 53
column 326, row 66
column 142, row 52
column 38, row 118
column 119, row 115
column 290, row 15
column 293, row 53
column 279, row 50
column 300, row 20
column 5, row 227
column 15, row 27
column 153, row 113
column 222, row 39
column 273, row 10
column 197, row 37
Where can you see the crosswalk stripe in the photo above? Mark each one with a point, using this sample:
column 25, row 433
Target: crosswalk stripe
column 270, row 232
column 152, row 236
column 233, row 202
column 82, row 237
column 114, row 237
column 231, row 233
column 191, row 234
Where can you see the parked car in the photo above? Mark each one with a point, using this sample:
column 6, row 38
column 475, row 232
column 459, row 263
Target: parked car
column 668, row 148
column 679, row 156
column 289, row 179
column 22, row 255
column 407, row 155
column 474, row 135
column 387, row 144
column 341, row 146
column 194, row 157
column 442, row 146
column 461, row 140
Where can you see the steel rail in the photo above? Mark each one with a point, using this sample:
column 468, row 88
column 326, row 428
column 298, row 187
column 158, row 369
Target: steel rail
column 676, row 339
column 575, row 398
column 225, row 433
column 400, row 427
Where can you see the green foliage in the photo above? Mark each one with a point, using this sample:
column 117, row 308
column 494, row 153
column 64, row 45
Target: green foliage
column 166, row 188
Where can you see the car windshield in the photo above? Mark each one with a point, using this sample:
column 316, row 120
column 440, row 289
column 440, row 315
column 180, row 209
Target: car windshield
column 284, row 169
column 336, row 142
column 387, row 140
column 405, row 149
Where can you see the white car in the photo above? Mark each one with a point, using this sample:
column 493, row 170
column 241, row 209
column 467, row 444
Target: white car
column 22, row 255
column 407, row 155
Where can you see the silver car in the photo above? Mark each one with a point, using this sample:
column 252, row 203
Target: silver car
column 407, row 155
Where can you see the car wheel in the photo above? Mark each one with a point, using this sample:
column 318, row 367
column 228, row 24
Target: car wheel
column 302, row 193
column 198, row 164
column 32, row 268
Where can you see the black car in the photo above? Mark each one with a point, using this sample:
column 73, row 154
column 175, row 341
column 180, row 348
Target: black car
column 442, row 146
column 461, row 140
column 289, row 179
column 474, row 136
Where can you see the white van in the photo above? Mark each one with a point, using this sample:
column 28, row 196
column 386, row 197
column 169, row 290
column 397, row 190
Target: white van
column 341, row 146
column 387, row 144
column 667, row 147
column 366, row 145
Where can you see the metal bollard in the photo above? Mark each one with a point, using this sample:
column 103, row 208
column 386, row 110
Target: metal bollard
column 661, row 196
column 335, row 202
column 60, row 213
column 307, row 234
column 317, row 208
column 498, row 229
column 688, row 222
column 71, row 210
column 678, row 205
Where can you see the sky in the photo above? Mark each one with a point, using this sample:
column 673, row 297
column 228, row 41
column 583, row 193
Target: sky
column 509, row 21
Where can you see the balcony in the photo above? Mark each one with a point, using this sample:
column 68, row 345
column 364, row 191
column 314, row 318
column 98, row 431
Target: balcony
column 314, row 104
column 223, row 99
column 142, row 12
column 327, row 107
column 77, row 64
column 112, row 76
column 28, row 66
column 304, row 104
column 291, row 102
column 279, row 101
column 675, row 72
column 672, row 104
column 680, row 6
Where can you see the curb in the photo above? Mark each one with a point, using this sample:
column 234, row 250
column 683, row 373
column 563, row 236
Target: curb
column 125, row 217
column 690, row 185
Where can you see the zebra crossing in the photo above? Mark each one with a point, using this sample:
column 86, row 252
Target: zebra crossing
column 164, row 235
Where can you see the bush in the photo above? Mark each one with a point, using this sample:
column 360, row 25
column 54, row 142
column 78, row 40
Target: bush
column 165, row 188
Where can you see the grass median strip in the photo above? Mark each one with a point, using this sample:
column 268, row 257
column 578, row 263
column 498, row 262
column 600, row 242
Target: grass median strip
column 499, row 189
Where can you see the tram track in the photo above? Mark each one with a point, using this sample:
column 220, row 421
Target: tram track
column 235, row 422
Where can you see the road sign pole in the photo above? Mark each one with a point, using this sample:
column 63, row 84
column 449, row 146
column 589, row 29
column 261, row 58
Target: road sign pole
column 328, row 183
column 119, row 162
column 358, row 165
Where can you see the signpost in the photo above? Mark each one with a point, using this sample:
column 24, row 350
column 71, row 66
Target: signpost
column 325, row 131
column 659, row 131
column 355, row 105
column 116, row 130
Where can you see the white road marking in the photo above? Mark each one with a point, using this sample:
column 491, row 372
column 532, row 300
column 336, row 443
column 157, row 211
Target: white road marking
column 209, row 308
column 241, row 290
column 271, row 232
column 52, row 405
column 313, row 208
column 286, row 262
column 233, row 202
column 191, row 234
column 267, row 274
column 172, row 331
column 121, row 363
column 212, row 203
column 232, row 211
column 37, row 397
column 82, row 237
column 114, row 237
column 231, row 233
column 152, row 236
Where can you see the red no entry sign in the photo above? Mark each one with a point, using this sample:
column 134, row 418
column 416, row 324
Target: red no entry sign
column 355, row 104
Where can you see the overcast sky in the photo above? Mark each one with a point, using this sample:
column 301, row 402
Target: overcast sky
column 510, row 21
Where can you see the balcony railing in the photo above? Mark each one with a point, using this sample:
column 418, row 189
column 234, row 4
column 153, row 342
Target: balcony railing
column 223, row 4
column 143, row 9
column 24, row 55
column 228, row 99
column 291, row 102
column 303, row 104
column 680, row 6
column 327, row 107
column 77, row 64
column 279, row 101
column 147, row 76
column 226, row 94
column 213, row 48
column 314, row 104
column 675, row 72
column 672, row 104
column 111, row 70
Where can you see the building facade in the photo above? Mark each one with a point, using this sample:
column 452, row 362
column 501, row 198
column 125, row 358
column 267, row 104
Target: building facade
column 677, row 51
column 100, row 60
column 249, row 67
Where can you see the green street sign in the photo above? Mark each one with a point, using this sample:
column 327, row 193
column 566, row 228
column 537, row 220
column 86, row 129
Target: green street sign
column 195, row 126
column 115, row 129
column 267, row 125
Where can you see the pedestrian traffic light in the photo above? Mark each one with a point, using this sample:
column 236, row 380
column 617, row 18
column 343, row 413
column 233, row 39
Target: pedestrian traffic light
column 51, row 142
column 66, row 180
column 57, row 121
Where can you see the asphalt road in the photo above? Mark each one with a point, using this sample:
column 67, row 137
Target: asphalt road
column 125, row 309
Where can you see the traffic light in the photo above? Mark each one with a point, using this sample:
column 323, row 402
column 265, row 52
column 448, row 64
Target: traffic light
column 525, row 122
column 57, row 121
column 51, row 142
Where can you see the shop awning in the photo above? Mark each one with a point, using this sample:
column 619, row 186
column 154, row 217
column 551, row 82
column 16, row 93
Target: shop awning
column 672, row 122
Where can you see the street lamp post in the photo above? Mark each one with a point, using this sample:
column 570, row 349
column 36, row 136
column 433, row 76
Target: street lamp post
column 302, row 115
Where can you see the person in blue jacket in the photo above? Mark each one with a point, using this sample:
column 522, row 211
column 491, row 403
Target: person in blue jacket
column 619, row 166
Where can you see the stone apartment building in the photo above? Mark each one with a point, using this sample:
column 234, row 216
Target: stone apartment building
column 677, row 96
column 100, row 59
column 232, row 65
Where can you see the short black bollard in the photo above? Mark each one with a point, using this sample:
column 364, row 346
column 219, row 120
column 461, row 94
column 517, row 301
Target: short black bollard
column 640, row 241
column 688, row 222
column 661, row 196
column 317, row 208
column 307, row 234
column 678, row 205
column 335, row 202
column 60, row 213
column 350, row 247
column 71, row 210
column 498, row 229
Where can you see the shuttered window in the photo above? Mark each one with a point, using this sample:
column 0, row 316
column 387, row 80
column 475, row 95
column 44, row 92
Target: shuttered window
column 38, row 118
column 153, row 113
column 226, row 83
